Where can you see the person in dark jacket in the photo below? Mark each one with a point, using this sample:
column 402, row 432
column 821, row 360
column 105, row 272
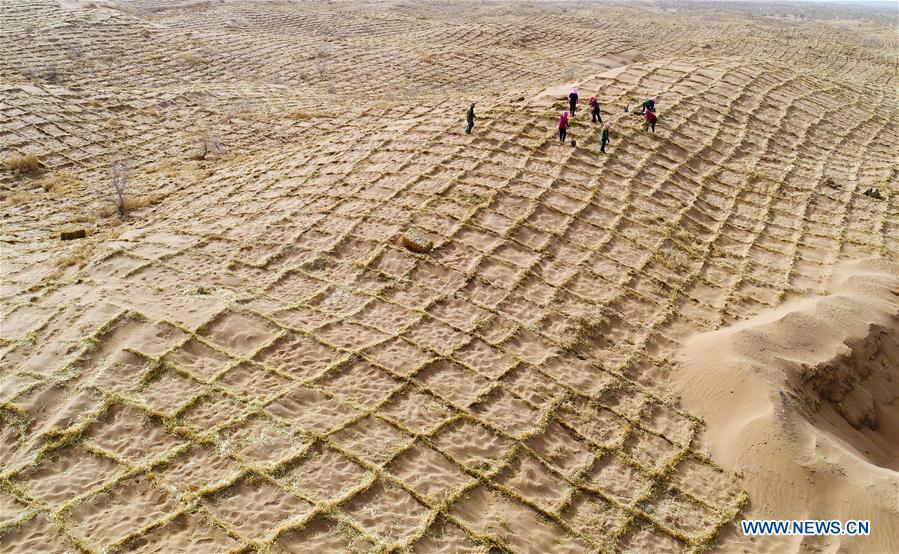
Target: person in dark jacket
column 469, row 117
column 606, row 138
column 572, row 100
column 594, row 109
column 648, row 104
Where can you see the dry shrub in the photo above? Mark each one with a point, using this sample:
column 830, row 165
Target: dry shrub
column 138, row 202
column 58, row 183
column 81, row 218
column 303, row 115
column 129, row 204
column 320, row 56
column 78, row 255
column 17, row 197
column 192, row 59
column 426, row 57
column 207, row 147
column 246, row 115
column 118, row 182
column 52, row 75
column 23, row 163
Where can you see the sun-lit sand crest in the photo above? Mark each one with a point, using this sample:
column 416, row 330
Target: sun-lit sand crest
column 332, row 321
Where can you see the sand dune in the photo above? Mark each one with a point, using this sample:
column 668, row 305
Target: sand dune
column 803, row 401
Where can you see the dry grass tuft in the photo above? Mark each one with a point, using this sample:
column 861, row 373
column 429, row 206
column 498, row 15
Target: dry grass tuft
column 207, row 147
column 129, row 204
column 77, row 256
column 138, row 202
column 17, row 197
column 82, row 218
column 58, row 183
column 301, row 115
column 192, row 59
column 23, row 163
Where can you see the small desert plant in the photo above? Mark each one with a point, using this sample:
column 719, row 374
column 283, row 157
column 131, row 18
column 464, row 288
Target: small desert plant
column 301, row 115
column 207, row 146
column 23, row 163
column 320, row 66
column 58, row 182
column 118, row 182
column 138, row 202
column 14, row 198
column 52, row 74
column 192, row 59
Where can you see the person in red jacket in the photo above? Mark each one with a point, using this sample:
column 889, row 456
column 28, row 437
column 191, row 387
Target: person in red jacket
column 594, row 109
column 650, row 120
column 563, row 126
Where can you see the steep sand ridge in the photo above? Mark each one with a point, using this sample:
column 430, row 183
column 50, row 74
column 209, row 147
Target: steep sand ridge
column 803, row 401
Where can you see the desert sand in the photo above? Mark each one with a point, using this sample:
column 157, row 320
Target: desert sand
column 810, row 418
column 628, row 352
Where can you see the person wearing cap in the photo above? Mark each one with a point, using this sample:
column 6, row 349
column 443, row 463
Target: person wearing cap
column 605, row 137
column 594, row 109
column 572, row 100
column 469, row 117
column 649, row 104
column 563, row 126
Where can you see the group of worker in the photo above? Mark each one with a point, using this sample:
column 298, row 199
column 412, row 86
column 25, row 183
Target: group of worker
column 647, row 110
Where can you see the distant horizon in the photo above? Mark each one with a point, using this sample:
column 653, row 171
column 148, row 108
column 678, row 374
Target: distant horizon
column 853, row 2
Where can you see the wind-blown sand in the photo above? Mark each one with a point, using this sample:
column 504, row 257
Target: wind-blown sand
column 803, row 402
column 251, row 361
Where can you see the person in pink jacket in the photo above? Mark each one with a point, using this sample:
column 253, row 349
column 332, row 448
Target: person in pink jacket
column 594, row 109
column 563, row 126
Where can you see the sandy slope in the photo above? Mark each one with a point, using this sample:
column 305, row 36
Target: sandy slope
column 252, row 362
column 803, row 401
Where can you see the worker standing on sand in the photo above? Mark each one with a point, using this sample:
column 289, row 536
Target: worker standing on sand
column 648, row 104
column 469, row 117
column 594, row 109
column 650, row 119
column 572, row 100
column 563, row 126
column 605, row 137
